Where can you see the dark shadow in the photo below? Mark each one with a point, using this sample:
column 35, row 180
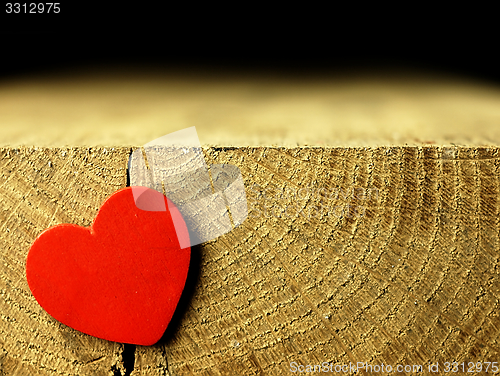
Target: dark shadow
column 128, row 358
column 128, row 172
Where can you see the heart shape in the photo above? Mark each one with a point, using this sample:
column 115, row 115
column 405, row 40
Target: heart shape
column 121, row 278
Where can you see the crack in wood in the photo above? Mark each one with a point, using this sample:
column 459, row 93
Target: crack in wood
column 128, row 358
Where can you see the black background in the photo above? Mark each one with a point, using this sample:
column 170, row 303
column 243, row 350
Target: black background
column 291, row 39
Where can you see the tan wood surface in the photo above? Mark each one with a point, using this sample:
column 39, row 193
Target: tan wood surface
column 360, row 245
column 130, row 107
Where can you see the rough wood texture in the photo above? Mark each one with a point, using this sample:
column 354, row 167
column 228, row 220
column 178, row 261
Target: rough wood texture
column 40, row 188
column 383, row 255
column 413, row 280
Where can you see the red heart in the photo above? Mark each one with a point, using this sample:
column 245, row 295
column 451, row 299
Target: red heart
column 121, row 278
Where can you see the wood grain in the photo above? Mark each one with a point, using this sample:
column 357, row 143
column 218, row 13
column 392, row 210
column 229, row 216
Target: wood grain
column 380, row 254
column 42, row 187
column 412, row 281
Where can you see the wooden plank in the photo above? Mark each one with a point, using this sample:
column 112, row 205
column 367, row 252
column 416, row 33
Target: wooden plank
column 130, row 107
column 380, row 254
column 42, row 187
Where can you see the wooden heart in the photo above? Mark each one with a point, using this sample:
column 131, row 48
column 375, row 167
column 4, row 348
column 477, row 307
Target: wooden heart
column 121, row 278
